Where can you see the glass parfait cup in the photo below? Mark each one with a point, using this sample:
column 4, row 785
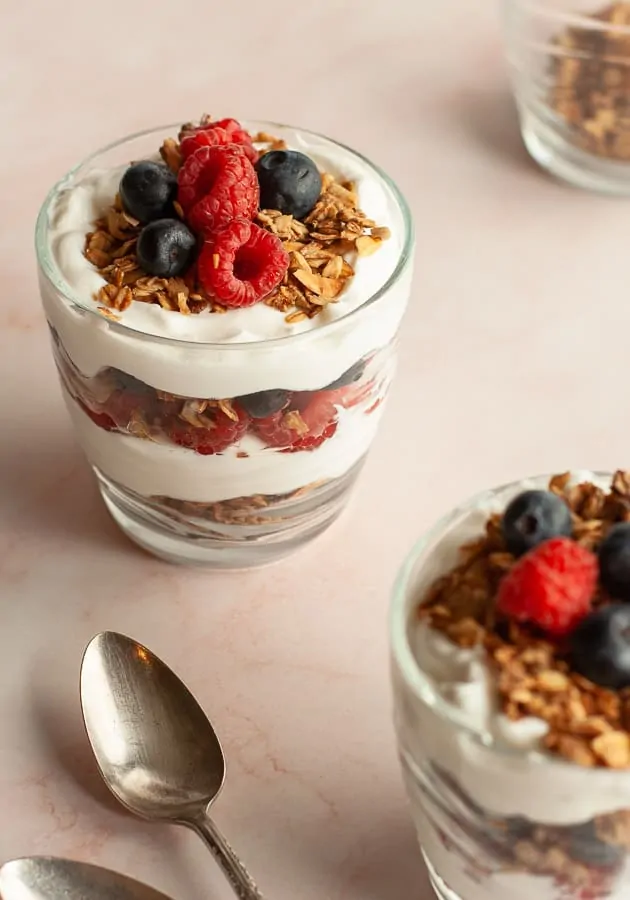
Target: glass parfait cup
column 570, row 67
column 145, row 407
column 494, row 820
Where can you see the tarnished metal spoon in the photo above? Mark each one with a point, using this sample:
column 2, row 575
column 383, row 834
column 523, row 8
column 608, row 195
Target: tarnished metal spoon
column 155, row 747
column 52, row 878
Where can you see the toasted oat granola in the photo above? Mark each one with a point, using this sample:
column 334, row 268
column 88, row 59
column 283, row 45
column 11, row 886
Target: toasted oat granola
column 588, row 724
column 320, row 249
column 256, row 509
column 591, row 89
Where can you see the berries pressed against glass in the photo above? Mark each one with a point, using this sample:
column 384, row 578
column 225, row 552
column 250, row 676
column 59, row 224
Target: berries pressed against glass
column 221, row 433
column 264, row 403
column 314, row 422
column 585, row 846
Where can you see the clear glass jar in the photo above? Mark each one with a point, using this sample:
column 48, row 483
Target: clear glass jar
column 493, row 821
column 570, row 68
column 147, row 409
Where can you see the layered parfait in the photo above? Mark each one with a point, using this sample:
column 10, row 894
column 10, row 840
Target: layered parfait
column 224, row 303
column 512, row 685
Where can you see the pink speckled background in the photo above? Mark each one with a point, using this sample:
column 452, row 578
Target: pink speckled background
column 514, row 359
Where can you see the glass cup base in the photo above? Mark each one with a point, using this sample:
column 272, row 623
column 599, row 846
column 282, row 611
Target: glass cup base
column 178, row 536
column 554, row 151
column 441, row 889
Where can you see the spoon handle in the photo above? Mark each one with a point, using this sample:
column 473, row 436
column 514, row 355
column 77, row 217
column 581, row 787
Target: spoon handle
column 241, row 881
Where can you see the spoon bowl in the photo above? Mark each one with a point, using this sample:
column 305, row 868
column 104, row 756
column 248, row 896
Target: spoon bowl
column 154, row 745
column 53, row 878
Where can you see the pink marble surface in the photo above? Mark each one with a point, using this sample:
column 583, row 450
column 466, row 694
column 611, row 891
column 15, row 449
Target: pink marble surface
column 514, row 360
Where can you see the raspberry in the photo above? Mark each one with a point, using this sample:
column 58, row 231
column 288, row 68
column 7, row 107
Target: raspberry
column 123, row 404
column 281, row 430
column 551, row 586
column 101, row 419
column 242, row 263
column 219, row 135
column 217, row 184
column 231, row 126
column 222, row 434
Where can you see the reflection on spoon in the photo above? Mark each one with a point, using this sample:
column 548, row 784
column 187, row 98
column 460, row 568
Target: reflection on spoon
column 52, row 878
column 155, row 747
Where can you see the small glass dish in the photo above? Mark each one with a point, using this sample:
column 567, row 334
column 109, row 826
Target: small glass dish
column 570, row 68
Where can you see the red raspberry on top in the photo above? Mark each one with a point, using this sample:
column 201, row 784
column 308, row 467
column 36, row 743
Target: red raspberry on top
column 221, row 434
column 552, row 586
column 316, row 422
column 215, row 185
column 241, row 263
column 221, row 133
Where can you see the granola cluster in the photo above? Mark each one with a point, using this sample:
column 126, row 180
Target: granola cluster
column 321, row 249
column 591, row 83
column 256, row 509
column 588, row 724
column 545, row 850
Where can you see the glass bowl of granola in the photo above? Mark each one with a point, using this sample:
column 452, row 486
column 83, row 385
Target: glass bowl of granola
column 510, row 649
column 570, row 67
column 223, row 302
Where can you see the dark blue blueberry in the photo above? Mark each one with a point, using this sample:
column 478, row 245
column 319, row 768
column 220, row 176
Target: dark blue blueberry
column 165, row 247
column 147, row 190
column 534, row 517
column 289, row 181
column 349, row 377
column 585, row 846
column 600, row 646
column 264, row 403
column 614, row 562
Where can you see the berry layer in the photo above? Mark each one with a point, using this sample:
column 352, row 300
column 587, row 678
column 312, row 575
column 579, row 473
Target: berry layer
column 153, row 469
column 248, row 354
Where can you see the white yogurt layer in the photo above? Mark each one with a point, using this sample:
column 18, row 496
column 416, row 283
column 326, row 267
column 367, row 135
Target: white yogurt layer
column 153, row 469
column 499, row 764
column 248, row 353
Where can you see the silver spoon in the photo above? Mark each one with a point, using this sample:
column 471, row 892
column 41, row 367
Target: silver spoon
column 52, row 878
column 155, row 747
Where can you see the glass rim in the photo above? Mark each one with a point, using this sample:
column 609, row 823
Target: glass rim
column 49, row 268
column 399, row 612
column 571, row 18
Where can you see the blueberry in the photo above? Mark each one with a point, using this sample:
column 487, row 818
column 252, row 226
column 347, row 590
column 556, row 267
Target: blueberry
column 614, row 562
column 264, row 403
column 534, row 517
column 165, row 247
column 600, row 646
column 289, row 181
column 585, row 846
column 349, row 376
column 147, row 191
